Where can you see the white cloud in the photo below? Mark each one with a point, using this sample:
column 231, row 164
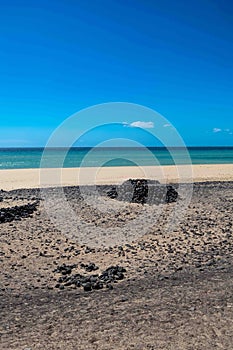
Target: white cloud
column 217, row 130
column 167, row 125
column 228, row 131
column 143, row 125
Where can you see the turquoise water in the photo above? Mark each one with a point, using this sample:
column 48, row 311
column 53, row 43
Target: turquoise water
column 19, row 158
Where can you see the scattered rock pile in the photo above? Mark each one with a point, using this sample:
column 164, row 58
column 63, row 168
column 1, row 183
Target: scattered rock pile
column 143, row 191
column 89, row 282
column 17, row 212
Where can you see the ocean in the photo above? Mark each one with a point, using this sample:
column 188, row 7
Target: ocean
column 25, row 158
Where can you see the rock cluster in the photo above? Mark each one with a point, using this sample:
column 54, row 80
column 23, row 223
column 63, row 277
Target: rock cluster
column 171, row 195
column 17, row 212
column 143, row 191
column 89, row 267
column 89, row 282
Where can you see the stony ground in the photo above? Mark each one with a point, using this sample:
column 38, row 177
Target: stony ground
column 176, row 292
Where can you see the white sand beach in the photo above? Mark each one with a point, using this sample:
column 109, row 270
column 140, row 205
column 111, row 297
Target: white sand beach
column 34, row 178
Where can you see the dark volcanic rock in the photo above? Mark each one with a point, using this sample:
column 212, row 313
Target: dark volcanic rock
column 65, row 269
column 112, row 193
column 143, row 191
column 17, row 212
column 89, row 267
column 112, row 274
column 171, row 195
column 140, row 191
column 89, row 282
column 87, row 286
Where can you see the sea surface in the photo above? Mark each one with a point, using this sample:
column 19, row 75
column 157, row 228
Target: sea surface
column 24, row 158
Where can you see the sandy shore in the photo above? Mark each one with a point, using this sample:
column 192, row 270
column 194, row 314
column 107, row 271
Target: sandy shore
column 177, row 288
column 34, row 178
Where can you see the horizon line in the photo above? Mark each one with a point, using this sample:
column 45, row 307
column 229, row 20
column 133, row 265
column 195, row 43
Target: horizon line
column 111, row 147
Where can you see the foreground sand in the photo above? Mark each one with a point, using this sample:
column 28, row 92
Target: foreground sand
column 177, row 292
column 33, row 178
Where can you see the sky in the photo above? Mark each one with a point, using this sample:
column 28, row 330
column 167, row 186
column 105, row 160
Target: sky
column 60, row 57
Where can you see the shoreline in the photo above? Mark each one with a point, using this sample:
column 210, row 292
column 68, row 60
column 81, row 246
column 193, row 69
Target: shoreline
column 11, row 179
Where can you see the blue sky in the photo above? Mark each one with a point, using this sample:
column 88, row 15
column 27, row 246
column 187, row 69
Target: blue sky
column 58, row 57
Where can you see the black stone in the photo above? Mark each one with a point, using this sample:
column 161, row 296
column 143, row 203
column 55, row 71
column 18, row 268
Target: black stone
column 89, row 282
column 17, row 212
column 143, row 191
column 87, row 287
column 89, row 267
